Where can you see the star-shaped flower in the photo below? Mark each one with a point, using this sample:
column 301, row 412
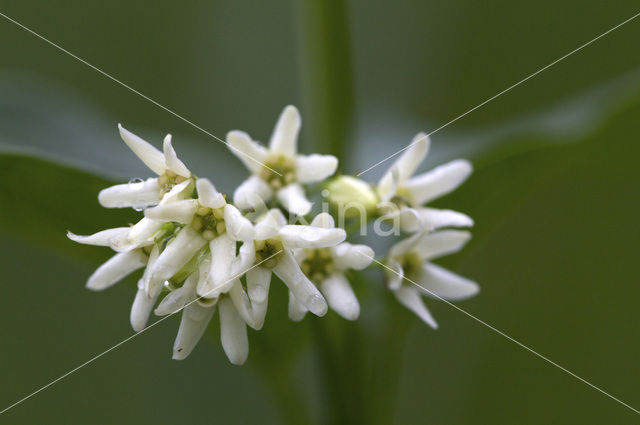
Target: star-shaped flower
column 278, row 170
column 208, row 219
column 410, row 261
column 137, row 247
column 166, row 165
column 402, row 195
column 274, row 246
column 326, row 268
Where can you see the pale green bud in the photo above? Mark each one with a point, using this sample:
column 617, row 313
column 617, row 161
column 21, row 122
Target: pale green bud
column 349, row 192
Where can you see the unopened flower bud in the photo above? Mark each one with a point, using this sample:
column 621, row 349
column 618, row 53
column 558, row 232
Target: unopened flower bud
column 349, row 192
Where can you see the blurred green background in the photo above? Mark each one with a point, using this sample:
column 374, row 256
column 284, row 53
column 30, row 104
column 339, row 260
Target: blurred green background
column 555, row 198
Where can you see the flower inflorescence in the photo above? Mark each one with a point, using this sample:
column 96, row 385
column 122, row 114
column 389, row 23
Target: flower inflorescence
column 203, row 254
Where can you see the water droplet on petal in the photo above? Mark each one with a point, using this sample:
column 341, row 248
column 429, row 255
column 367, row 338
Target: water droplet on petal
column 136, row 183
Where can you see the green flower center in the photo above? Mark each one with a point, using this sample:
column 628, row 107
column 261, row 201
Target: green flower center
column 209, row 222
column 168, row 180
column 318, row 264
column 269, row 250
column 411, row 265
column 278, row 171
column 402, row 198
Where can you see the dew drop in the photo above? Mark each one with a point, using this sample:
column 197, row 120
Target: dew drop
column 136, row 183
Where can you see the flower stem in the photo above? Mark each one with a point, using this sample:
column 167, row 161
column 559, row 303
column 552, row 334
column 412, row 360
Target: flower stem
column 328, row 102
column 323, row 46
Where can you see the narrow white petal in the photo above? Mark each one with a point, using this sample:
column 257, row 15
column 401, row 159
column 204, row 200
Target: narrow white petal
column 323, row 220
column 133, row 194
column 407, row 163
column 203, row 273
column 251, row 153
column 177, row 253
column 102, row 238
column 285, row 134
column 439, row 181
column 395, row 276
column 446, row 284
column 297, row 310
column 253, row 193
column 303, row 289
column 233, row 333
column 152, row 157
column 314, row 168
column 179, row 211
column 238, row 226
column 178, row 192
column 444, row 242
column 177, row 299
column 410, row 220
column 171, row 159
column 223, row 252
column 294, row 200
column 115, row 269
column 410, row 298
column 143, row 230
column 208, row 195
column 432, row 218
column 258, row 282
column 245, row 259
column 299, row 254
column 194, row 322
column 340, row 296
column 141, row 309
column 406, row 245
column 348, row 256
column 141, row 234
column 300, row 236
column 269, row 224
column 388, row 185
column 242, row 303
column 152, row 287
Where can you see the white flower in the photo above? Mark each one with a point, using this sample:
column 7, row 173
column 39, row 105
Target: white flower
column 137, row 247
column 402, row 195
column 143, row 233
column 273, row 252
column 197, row 312
column 141, row 194
column 409, row 260
column 326, row 268
column 278, row 169
column 208, row 220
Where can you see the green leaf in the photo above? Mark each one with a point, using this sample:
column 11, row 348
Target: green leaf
column 42, row 200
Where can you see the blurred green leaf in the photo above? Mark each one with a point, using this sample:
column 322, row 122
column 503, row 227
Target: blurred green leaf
column 42, row 200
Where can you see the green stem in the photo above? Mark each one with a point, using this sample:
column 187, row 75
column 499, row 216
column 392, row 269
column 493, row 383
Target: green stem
column 328, row 110
column 326, row 74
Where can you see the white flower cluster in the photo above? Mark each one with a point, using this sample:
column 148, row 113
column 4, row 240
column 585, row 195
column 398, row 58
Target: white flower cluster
column 200, row 252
